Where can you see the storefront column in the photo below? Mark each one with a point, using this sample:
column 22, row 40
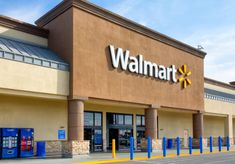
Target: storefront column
column 151, row 128
column 76, row 120
column 151, row 123
column 134, row 131
column 229, row 127
column 76, row 144
column 197, row 125
column 104, row 132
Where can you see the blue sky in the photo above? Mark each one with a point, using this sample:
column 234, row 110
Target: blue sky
column 209, row 23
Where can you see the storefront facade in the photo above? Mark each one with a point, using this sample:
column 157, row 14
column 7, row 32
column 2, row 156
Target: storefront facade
column 107, row 78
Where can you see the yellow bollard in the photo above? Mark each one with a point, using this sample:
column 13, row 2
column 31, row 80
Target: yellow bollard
column 113, row 148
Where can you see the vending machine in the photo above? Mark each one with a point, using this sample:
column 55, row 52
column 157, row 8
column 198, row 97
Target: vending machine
column 9, row 140
column 26, row 141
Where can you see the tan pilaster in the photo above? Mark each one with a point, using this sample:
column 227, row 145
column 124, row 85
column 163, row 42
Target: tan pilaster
column 229, row 126
column 104, row 133
column 134, row 131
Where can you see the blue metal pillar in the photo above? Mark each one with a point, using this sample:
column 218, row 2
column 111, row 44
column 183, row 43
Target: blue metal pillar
column 228, row 143
column 190, row 145
column 131, row 148
column 149, row 147
column 219, row 143
column 201, row 145
column 178, row 145
column 164, row 146
column 211, row 144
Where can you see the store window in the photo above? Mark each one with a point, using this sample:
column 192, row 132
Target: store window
column 98, row 119
column 140, row 129
column 140, row 120
column 119, row 119
column 92, row 119
column 88, row 119
column 128, row 120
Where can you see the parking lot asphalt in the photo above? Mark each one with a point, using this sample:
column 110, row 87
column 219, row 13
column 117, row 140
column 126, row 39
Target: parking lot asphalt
column 218, row 158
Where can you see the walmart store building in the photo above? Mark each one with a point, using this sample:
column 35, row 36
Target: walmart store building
column 96, row 76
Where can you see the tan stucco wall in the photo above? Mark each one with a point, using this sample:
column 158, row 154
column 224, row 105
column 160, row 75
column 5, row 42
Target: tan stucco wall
column 11, row 33
column 219, row 107
column 26, row 77
column 173, row 124
column 91, row 60
column 45, row 116
column 214, row 126
column 113, row 109
column 84, row 45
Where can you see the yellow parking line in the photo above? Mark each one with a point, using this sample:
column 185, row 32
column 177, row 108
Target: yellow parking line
column 105, row 161
column 153, row 157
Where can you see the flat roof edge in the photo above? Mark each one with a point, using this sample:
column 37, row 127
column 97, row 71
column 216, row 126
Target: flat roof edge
column 117, row 19
column 23, row 26
column 219, row 83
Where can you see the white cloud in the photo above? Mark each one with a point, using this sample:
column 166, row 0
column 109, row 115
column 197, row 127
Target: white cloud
column 220, row 47
column 124, row 7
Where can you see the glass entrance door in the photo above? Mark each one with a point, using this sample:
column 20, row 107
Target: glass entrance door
column 98, row 140
column 88, row 135
column 113, row 134
column 120, row 128
column 93, row 130
column 95, row 138
column 124, row 138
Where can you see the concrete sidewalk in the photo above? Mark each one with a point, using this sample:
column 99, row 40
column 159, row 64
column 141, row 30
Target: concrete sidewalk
column 106, row 157
column 120, row 155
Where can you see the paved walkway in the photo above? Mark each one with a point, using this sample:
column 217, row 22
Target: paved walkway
column 99, row 157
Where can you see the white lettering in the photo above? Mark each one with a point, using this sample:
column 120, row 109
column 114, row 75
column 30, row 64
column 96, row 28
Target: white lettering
column 162, row 72
column 140, row 66
column 133, row 65
column 119, row 56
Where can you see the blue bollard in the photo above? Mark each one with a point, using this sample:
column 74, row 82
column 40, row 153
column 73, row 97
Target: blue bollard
column 219, row 143
column 201, row 145
column 164, row 146
column 149, row 147
column 190, row 145
column 178, row 145
column 228, row 143
column 211, row 144
column 131, row 148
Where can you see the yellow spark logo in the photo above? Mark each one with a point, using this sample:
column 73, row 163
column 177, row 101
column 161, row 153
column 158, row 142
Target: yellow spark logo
column 184, row 76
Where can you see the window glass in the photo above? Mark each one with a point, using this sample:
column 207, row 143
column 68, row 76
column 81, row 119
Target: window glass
column 120, row 119
column 113, row 119
column 138, row 120
column 143, row 121
column 97, row 119
column 88, row 119
column 128, row 120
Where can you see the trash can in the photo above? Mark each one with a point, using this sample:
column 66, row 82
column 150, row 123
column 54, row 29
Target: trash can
column 169, row 143
column 41, row 149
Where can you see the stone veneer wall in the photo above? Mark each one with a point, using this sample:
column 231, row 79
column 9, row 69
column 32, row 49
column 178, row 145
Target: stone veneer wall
column 156, row 144
column 65, row 148
column 73, row 148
